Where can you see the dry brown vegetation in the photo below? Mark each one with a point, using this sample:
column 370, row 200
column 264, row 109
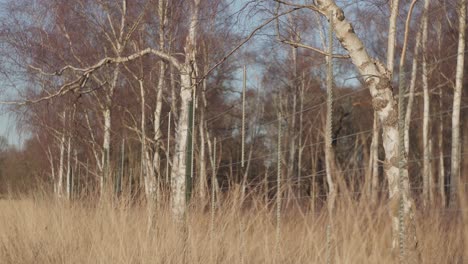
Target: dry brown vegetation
column 44, row 230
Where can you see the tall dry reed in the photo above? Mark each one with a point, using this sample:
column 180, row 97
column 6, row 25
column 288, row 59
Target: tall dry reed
column 43, row 230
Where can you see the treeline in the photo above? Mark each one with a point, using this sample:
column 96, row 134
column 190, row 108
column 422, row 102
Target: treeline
column 108, row 91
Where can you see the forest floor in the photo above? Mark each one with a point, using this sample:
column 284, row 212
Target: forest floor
column 43, row 230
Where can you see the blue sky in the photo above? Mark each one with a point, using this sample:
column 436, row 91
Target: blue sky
column 8, row 129
column 7, row 119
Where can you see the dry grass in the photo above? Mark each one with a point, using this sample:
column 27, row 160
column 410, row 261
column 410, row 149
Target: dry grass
column 41, row 230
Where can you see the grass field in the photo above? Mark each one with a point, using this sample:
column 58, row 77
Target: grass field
column 43, row 230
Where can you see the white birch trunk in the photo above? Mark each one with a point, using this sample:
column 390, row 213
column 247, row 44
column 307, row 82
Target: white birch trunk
column 300, row 144
column 105, row 149
column 69, row 173
column 292, row 137
column 147, row 165
column 440, row 132
column 376, row 125
column 178, row 187
column 59, row 183
column 202, row 164
column 203, row 130
column 441, row 155
column 187, row 79
column 425, row 84
column 412, row 86
column 156, row 164
column 456, row 155
column 61, row 169
column 156, row 171
column 375, row 160
column 392, row 27
column 52, row 170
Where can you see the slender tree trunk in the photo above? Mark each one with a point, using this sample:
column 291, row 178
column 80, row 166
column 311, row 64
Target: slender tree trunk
column 202, row 128
column 179, row 163
column 292, row 135
column 62, row 158
column 246, row 174
column 314, row 155
column 392, row 30
column 156, row 176
column 188, row 79
column 440, row 131
column 375, row 159
column 329, row 158
column 61, row 167
column 300, row 143
column 456, row 155
column 144, row 156
column 76, row 176
column 412, row 86
column 441, row 154
column 119, row 46
column 376, row 125
column 156, row 164
column 52, row 170
column 105, row 148
column 147, row 168
column 173, row 93
column 202, row 151
column 212, row 158
column 69, row 172
column 425, row 84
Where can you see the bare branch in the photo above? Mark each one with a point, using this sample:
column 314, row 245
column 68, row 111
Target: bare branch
column 229, row 54
column 86, row 72
column 311, row 7
column 300, row 45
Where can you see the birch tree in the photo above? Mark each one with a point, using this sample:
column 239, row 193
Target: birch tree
column 427, row 179
column 61, row 168
column 163, row 7
column 188, row 79
column 377, row 78
column 456, row 150
column 374, row 157
column 440, row 130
